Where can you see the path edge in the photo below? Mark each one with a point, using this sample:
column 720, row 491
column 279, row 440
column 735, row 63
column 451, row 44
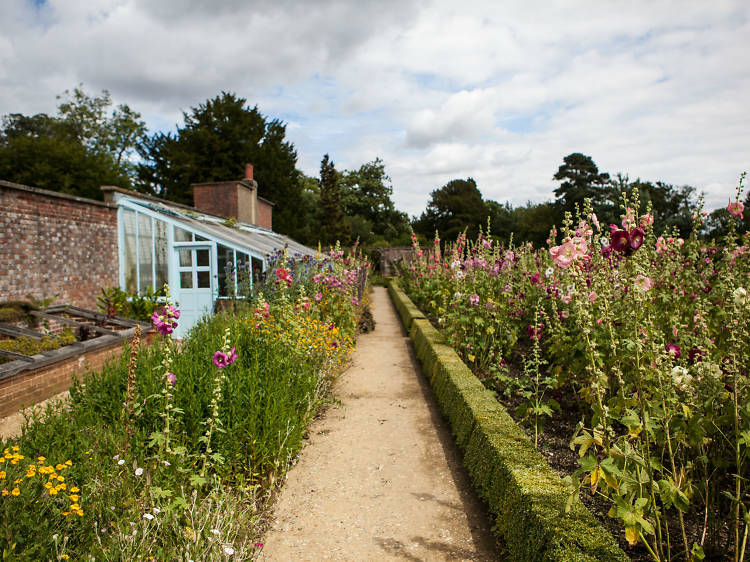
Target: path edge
column 524, row 494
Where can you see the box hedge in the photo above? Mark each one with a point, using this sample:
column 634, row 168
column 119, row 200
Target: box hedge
column 526, row 497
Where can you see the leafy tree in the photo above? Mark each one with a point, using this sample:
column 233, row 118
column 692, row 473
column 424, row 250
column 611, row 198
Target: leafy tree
column 367, row 203
column 116, row 131
column 455, row 207
column 62, row 153
column 580, row 180
column 333, row 228
column 217, row 139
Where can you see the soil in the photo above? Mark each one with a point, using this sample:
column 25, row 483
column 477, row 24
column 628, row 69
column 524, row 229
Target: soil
column 380, row 478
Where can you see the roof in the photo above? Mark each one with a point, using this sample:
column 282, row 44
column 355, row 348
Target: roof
column 254, row 238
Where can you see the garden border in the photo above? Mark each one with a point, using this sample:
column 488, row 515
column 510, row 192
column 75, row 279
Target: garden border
column 526, row 497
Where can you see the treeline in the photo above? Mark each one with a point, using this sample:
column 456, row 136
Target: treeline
column 91, row 142
column 459, row 206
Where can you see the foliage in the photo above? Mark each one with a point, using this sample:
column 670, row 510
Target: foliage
column 454, row 208
column 582, row 180
column 29, row 346
column 88, row 144
column 176, row 451
column 648, row 333
column 217, row 139
column 332, row 224
column 116, row 302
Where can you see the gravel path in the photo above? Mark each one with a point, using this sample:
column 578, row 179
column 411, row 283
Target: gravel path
column 380, row 478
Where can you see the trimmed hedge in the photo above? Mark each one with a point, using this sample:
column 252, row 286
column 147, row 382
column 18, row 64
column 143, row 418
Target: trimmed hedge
column 526, row 496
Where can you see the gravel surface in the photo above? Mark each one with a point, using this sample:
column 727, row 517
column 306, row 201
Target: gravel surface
column 380, row 478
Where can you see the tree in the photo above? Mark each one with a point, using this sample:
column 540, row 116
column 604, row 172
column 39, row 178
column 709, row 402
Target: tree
column 455, row 207
column 76, row 152
column 333, row 228
column 371, row 214
column 118, row 131
column 217, row 139
column 582, row 180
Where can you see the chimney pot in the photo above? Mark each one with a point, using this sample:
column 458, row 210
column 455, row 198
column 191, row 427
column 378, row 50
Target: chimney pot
column 248, row 171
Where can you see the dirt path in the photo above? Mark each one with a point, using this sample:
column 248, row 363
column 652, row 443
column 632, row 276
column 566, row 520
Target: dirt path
column 380, row 478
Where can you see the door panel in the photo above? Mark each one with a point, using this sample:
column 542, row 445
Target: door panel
column 194, row 291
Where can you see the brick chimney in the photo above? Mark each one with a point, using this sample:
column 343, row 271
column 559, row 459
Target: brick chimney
column 234, row 199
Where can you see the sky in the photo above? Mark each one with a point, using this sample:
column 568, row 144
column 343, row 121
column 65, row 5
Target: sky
column 499, row 91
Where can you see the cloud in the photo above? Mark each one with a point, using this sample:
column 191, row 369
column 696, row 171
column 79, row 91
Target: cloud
column 497, row 91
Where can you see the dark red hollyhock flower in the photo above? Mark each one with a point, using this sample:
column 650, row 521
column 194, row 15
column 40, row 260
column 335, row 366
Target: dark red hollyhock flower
column 636, row 237
column 674, row 350
column 619, row 240
column 695, row 355
column 535, row 335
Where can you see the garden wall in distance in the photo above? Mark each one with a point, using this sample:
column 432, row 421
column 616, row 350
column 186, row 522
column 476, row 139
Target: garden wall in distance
column 56, row 245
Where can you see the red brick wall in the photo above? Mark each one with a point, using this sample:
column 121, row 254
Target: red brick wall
column 53, row 245
column 216, row 198
column 31, row 387
column 265, row 214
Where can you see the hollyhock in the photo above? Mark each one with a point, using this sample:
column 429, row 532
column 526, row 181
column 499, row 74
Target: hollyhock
column 474, row 299
column 595, row 222
column 535, row 334
column 318, row 297
column 643, row 283
column 628, row 220
column 171, row 378
column 619, row 239
column 735, row 209
column 674, row 350
column 636, row 238
column 165, row 323
column 647, row 220
column 222, row 359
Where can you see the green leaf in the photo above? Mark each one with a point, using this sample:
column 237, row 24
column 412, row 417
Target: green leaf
column 196, row 480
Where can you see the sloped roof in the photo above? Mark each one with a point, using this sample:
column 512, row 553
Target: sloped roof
column 255, row 238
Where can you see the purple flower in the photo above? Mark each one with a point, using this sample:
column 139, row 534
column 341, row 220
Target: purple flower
column 636, row 238
column 222, row 359
column 165, row 323
column 674, row 350
column 171, row 378
column 474, row 299
column 318, row 297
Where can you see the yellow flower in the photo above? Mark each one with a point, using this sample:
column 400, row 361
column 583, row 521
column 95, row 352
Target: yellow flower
column 74, row 490
column 64, row 556
column 60, row 467
column 61, row 479
column 73, row 497
column 5, row 493
column 66, row 513
column 15, row 447
column 53, row 491
column 75, row 507
column 69, row 462
column 79, row 513
column 16, row 492
column 48, row 485
column 60, row 487
column 17, row 481
column 2, row 475
column 41, row 459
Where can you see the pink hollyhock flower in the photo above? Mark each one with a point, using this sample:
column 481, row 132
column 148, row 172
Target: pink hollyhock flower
column 474, row 299
column 595, row 222
column 647, row 220
column 592, row 296
column 355, row 301
column 222, row 359
column 487, row 243
column 419, row 253
column 628, row 220
column 318, row 297
column 171, row 378
column 165, row 323
column 674, row 350
column 643, row 283
column 735, row 209
column 661, row 245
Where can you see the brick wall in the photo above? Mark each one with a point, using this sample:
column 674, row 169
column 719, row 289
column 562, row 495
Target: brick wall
column 218, row 198
column 56, row 245
column 265, row 214
column 31, row 387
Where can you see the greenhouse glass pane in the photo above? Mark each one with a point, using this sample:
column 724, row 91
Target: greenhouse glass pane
column 186, row 280
column 204, row 279
column 225, row 260
column 202, row 258
column 182, row 235
column 145, row 253
column 129, row 265
column 186, row 258
column 160, row 246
